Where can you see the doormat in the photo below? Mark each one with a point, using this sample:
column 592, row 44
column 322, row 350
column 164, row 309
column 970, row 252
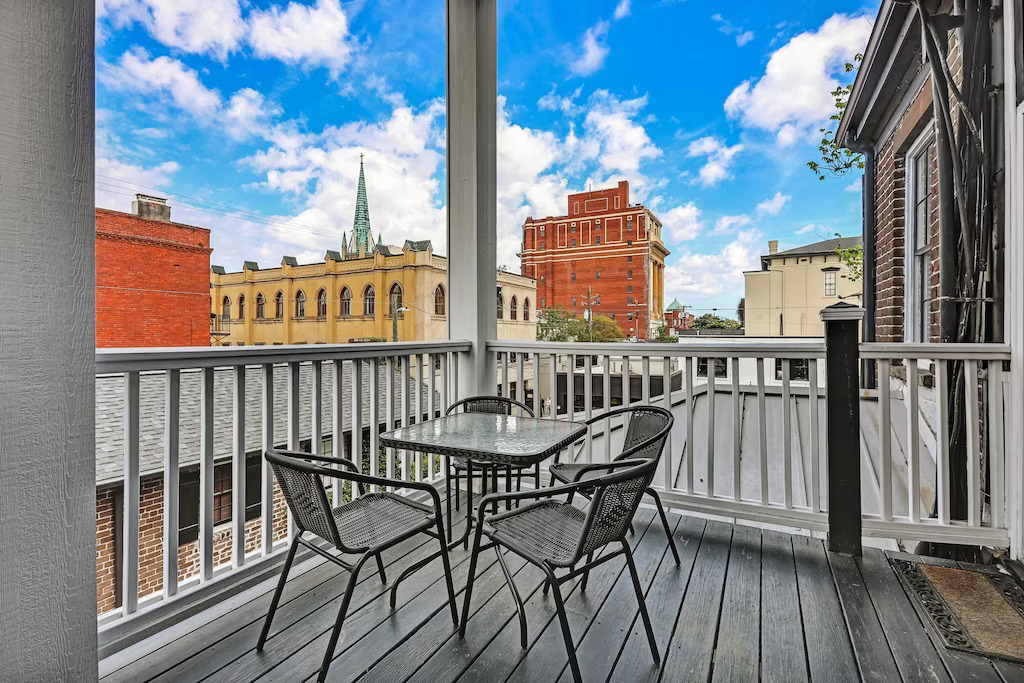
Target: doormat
column 973, row 610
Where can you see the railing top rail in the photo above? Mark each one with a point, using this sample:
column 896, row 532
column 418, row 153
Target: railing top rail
column 141, row 359
column 935, row 351
column 713, row 348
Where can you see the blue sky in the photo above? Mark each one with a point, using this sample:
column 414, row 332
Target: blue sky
column 250, row 117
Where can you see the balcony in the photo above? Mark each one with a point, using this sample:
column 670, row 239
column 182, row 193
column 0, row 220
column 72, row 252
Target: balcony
column 749, row 503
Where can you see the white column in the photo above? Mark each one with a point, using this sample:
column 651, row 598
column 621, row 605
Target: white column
column 47, row 357
column 472, row 187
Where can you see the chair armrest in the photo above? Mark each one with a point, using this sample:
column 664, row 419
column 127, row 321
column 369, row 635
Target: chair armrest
column 536, row 494
column 606, row 466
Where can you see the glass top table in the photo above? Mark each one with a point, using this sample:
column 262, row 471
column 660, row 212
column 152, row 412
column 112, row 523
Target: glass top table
column 485, row 439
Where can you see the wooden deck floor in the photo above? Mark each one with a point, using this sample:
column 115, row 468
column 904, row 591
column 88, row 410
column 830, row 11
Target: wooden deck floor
column 744, row 604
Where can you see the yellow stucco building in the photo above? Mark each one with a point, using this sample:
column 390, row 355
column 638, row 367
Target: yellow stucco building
column 785, row 297
column 349, row 298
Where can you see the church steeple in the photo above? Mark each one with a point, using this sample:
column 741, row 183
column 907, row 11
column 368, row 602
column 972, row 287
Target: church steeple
column 361, row 225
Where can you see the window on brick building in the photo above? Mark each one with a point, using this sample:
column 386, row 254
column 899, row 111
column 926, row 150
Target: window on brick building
column 572, row 277
column 629, row 289
column 346, row 301
column 321, row 303
column 241, row 306
column 574, row 241
column 629, row 243
column 629, row 259
column 541, row 245
column 629, row 274
column 629, row 223
column 261, row 306
column 513, row 309
column 526, row 310
column 439, row 302
column 188, row 496
column 279, row 305
column 574, row 228
column 597, row 275
column 300, row 304
column 917, row 326
column 543, row 303
column 597, row 240
column 369, row 300
column 500, row 305
column 830, row 283
column 225, row 306
column 574, row 300
column 542, row 231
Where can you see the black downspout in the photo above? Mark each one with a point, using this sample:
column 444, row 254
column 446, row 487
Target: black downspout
column 868, row 278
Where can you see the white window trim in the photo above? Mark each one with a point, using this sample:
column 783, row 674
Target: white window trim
column 911, row 286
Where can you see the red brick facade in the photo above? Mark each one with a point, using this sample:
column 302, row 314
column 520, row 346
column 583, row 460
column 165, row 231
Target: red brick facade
column 607, row 245
column 676, row 321
column 152, row 282
column 151, row 533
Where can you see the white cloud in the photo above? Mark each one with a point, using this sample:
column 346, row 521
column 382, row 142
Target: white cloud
column 728, row 28
column 793, row 95
column 162, row 77
column 613, row 138
column 593, row 50
column 855, row 186
column 303, row 35
column 744, row 37
column 683, row 222
column 773, row 205
column 213, row 27
column 622, row 9
column 552, row 101
column 719, row 157
column 117, row 181
column 806, row 229
column 715, row 273
column 728, row 224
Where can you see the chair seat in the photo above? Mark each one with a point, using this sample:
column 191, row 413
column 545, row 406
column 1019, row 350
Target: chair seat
column 459, row 463
column 547, row 529
column 376, row 518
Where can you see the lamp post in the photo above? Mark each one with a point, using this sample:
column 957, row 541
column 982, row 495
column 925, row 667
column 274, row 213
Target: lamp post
column 395, row 310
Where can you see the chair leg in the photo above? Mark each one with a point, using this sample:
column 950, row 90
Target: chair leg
column 336, row 632
column 448, row 492
column 642, row 603
column 277, row 593
column 536, row 476
column 469, row 581
column 520, row 608
column 563, row 620
column 447, row 571
column 508, row 486
column 664, row 522
column 586, row 574
column 458, row 492
column 380, row 569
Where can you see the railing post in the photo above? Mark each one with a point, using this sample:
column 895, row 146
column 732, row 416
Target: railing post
column 842, row 406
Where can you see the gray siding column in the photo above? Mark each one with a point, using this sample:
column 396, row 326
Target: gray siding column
column 47, row 342
column 472, row 187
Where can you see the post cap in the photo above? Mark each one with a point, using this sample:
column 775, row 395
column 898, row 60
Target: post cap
column 842, row 311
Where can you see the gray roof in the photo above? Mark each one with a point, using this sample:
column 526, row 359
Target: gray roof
column 823, row 247
column 219, row 270
column 290, row 261
column 418, row 245
column 332, row 255
column 110, row 414
column 250, row 265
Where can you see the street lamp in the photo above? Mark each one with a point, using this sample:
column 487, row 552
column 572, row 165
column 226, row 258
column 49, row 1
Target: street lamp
column 395, row 310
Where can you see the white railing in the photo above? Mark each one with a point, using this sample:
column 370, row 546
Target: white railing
column 370, row 386
column 758, row 451
column 908, row 454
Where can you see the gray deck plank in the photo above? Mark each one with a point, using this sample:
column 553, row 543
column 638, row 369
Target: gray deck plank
column 874, row 658
column 547, row 654
column 829, row 654
column 782, row 638
column 690, row 652
column 664, row 600
column 737, row 653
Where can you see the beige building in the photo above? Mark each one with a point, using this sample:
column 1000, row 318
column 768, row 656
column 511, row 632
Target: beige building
column 785, row 297
column 348, row 298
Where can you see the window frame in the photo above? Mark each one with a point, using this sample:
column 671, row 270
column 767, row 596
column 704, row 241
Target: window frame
column 831, row 283
column 914, row 290
column 279, row 305
column 321, row 303
column 261, row 306
column 369, row 300
column 300, row 304
column 345, row 309
column 440, row 304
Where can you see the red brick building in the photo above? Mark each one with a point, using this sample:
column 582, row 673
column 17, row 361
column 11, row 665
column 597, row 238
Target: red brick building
column 676, row 318
column 152, row 278
column 605, row 254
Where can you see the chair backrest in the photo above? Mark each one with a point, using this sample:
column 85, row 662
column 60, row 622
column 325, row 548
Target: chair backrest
column 644, row 422
column 617, row 496
column 497, row 405
column 304, row 492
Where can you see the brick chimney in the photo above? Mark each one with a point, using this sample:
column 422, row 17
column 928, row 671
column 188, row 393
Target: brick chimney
column 152, row 208
column 773, row 246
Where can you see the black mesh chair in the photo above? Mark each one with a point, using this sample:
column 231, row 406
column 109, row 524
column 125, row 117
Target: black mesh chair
column 557, row 535
column 369, row 524
column 459, row 467
column 643, row 422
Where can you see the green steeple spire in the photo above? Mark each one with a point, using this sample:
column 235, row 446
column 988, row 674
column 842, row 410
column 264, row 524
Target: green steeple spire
column 361, row 224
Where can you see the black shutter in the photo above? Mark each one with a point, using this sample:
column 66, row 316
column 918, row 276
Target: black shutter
column 253, row 486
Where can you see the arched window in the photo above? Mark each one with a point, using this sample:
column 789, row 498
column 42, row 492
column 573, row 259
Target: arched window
column 346, row 301
column 501, row 306
column 261, row 306
column 394, row 298
column 439, row 300
column 526, row 309
column 513, row 308
column 241, row 306
column 225, row 312
column 369, row 297
column 300, row 304
column 321, row 303
column 279, row 305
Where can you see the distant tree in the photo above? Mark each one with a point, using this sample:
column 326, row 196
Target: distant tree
column 741, row 311
column 664, row 337
column 556, row 325
column 603, row 329
column 853, row 259
column 710, row 321
column 837, row 161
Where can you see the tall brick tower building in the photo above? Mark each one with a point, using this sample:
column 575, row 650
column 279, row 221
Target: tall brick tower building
column 608, row 245
column 152, row 278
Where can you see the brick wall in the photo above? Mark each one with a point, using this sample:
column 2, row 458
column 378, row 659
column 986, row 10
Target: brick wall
column 151, row 502
column 152, row 282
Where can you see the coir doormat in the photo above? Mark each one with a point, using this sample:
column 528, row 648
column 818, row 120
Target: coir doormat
column 973, row 610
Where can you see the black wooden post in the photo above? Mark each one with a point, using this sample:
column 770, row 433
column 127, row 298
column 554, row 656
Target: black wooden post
column 842, row 405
